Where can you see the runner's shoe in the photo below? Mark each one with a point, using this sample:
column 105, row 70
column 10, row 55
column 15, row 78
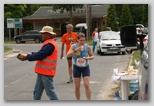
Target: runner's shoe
column 70, row 80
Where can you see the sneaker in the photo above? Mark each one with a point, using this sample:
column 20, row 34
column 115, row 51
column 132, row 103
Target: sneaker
column 70, row 80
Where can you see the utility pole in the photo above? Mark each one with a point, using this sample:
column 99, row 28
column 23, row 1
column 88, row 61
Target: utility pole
column 87, row 31
column 88, row 20
column 9, row 34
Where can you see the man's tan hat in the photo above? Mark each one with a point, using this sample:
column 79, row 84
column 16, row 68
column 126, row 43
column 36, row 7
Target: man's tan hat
column 48, row 29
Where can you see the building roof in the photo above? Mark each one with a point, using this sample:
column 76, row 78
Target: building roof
column 98, row 11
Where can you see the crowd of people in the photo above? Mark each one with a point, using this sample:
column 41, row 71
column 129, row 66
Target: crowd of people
column 78, row 55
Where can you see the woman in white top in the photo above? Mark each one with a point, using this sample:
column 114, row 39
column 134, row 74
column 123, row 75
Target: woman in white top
column 95, row 38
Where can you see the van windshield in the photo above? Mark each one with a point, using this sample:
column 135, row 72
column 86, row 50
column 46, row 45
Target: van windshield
column 77, row 29
column 110, row 37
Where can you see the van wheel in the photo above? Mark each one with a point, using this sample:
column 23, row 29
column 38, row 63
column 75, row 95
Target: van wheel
column 101, row 53
column 37, row 40
column 123, row 53
column 98, row 52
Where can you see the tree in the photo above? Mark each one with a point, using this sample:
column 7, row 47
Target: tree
column 12, row 11
column 68, row 7
column 126, row 18
column 118, row 9
column 17, row 11
column 112, row 18
column 31, row 8
column 136, row 12
column 145, row 15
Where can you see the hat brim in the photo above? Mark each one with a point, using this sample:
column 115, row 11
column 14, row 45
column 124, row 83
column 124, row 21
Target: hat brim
column 52, row 33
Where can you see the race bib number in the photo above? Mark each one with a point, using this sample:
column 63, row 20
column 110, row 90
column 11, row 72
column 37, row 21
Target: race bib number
column 81, row 62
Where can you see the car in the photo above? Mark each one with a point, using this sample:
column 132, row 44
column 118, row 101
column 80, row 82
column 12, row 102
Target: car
column 30, row 35
column 144, row 29
column 145, row 40
column 109, row 42
column 143, row 72
column 143, row 36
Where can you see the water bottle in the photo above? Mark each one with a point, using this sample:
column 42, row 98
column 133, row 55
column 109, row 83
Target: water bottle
column 117, row 96
column 133, row 85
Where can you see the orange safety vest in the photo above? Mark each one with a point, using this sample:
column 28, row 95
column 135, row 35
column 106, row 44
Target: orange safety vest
column 48, row 65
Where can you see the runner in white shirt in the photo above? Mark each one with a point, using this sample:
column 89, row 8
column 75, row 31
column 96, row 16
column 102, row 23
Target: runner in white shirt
column 95, row 38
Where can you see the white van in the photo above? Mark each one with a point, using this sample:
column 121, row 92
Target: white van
column 80, row 27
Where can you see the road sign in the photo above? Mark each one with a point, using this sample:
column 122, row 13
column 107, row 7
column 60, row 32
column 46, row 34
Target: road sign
column 10, row 23
column 18, row 23
column 14, row 23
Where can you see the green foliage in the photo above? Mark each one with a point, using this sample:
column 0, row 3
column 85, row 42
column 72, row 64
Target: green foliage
column 139, row 13
column 112, row 18
column 14, row 10
column 7, row 49
column 122, row 13
column 17, row 11
column 31, row 8
column 118, row 9
column 145, row 15
column 135, row 56
column 89, row 41
column 66, row 7
column 126, row 18
column 136, row 12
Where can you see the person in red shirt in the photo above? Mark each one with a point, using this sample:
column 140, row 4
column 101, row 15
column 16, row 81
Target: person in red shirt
column 95, row 38
column 68, row 38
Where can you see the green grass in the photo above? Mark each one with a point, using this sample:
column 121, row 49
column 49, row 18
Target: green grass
column 135, row 55
column 89, row 41
column 9, row 42
column 6, row 41
column 7, row 49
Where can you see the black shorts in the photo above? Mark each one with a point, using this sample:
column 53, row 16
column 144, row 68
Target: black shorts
column 78, row 71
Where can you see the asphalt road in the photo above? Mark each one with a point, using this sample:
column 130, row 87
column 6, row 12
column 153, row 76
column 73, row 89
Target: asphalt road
column 19, row 77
